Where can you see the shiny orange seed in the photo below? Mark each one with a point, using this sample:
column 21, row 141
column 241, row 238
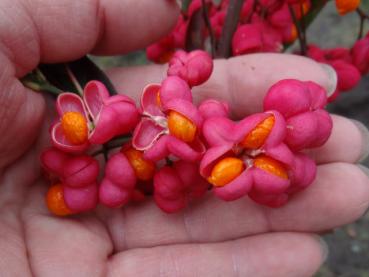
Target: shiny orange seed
column 346, row 6
column 181, row 127
column 74, row 126
column 271, row 165
column 225, row 171
column 256, row 138
column 144, row 169
column 55, row 201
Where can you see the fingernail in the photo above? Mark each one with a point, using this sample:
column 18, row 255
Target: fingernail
column 324, row 247
column 332, row 78
column 365, row 139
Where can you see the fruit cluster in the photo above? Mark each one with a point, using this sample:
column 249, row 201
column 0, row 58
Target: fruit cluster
column 350, row 64
column 175, row 150
column 269, row 26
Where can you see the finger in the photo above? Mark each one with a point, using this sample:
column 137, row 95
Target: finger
column 339, row 195
column 60, row 30
column 349, row 142
column 279, row 254
column 241, row 81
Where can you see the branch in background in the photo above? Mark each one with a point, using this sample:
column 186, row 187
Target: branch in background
column 194, row 36
column 299, row 30
column 303, row 27
column 230, row 25
column 205, row 15
column 363, row 16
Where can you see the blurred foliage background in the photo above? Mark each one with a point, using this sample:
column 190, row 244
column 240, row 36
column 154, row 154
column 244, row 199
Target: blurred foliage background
column 349, row 245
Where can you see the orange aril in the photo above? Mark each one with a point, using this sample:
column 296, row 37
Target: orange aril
column 181, row 127
column 271, row 165
column 144, row 169
column 55, row 201
column 256, row 138
column 225, row 171
column 158, row 101
column 346, row 6
column 74, row 126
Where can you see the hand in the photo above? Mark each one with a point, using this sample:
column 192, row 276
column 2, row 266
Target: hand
column 211, row 237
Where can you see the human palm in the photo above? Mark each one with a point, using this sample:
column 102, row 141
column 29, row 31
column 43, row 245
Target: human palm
column 210, row 237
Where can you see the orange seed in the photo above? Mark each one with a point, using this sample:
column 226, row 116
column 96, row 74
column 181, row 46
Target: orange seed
column 225, row 171
column 74, row 126
column 346, row 6
column 271, row 165
column 144, row 169
column 256, row 138
column 55, row 201
column 181, row 127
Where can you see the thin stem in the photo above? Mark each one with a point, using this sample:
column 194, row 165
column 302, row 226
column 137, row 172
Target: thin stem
column 363, row 16
column 230, row 25
column 303, row 27
column 299, row 32
column 205, row 15
column 113, row 144
column 74, row 80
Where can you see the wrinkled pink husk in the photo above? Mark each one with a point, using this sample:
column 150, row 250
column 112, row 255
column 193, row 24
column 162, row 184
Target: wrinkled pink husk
column 119, row 171
column 247, row 39
column 213, row 108
column 167, row 184
column 146, row 133
column 307, row 130
column 80, row 171
column 113, row 196
column 188, row 172
column 348, row 75
column 218, row 131
column 187, row 109
column 112, row 115
column 281, row 17
column 59, row 141
column 170, row 206
column 195, row 67
column 168, row 190
column 211, row 157
column 119, row 182
column 236, row 189
column 289, row 97
column 168, row 144
column 318, row 96
column 175, row 186
column 270, row 200
column 174, row 87
column 114, row 120
column 302, row 174
column 149, row 100
column 360, row 55
column 281, row 153
column 268, row 183
column 70, row 102
column 54, row 160
column 81, row 199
